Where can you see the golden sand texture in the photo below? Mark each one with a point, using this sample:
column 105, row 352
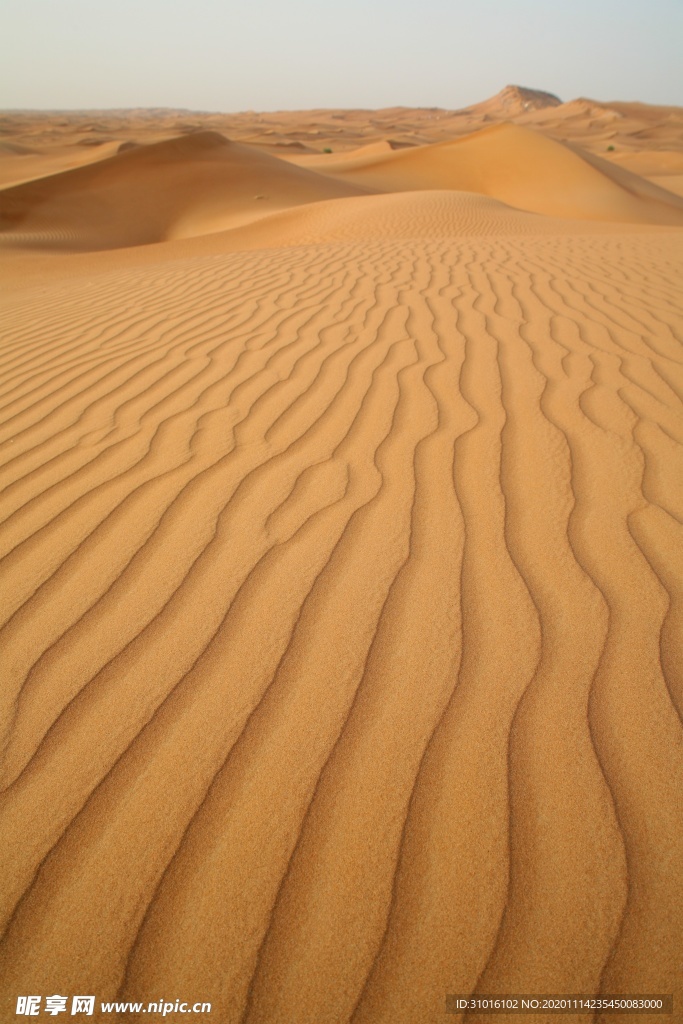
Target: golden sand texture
column 342, row 599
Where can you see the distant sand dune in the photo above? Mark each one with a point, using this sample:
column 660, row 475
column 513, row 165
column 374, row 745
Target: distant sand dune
column 202, row 184
column 19, row 165
column 189, row 185
column 517, row 166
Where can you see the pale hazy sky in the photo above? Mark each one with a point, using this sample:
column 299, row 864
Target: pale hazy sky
column 271, row 54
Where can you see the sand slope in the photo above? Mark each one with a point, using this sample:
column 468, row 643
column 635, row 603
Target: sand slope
column 433, row 213
column 19, row 165
column 185, row 186
column 518, row 166
column 341, row 593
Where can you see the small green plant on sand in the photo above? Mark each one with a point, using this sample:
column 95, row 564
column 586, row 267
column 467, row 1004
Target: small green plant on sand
column 327, row 149
column 610, row 149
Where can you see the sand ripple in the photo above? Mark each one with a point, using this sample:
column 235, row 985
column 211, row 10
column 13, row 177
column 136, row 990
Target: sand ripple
column 342, row 608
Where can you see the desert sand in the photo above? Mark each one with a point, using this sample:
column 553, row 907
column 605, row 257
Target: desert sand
column 342, row 563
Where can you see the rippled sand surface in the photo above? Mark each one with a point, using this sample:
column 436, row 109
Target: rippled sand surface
column 342, row 578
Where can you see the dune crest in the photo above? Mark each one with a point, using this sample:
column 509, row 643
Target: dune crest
column 518, row 166
column 192, row 184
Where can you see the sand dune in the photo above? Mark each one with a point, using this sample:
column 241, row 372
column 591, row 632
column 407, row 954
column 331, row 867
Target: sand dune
column 342, row 586
column 19, row 165
column 434, row 213
column 185, row 186
column 515, row 100
column 650, row 163
column 519, row 167
column 591, row 124
column 201, row 183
